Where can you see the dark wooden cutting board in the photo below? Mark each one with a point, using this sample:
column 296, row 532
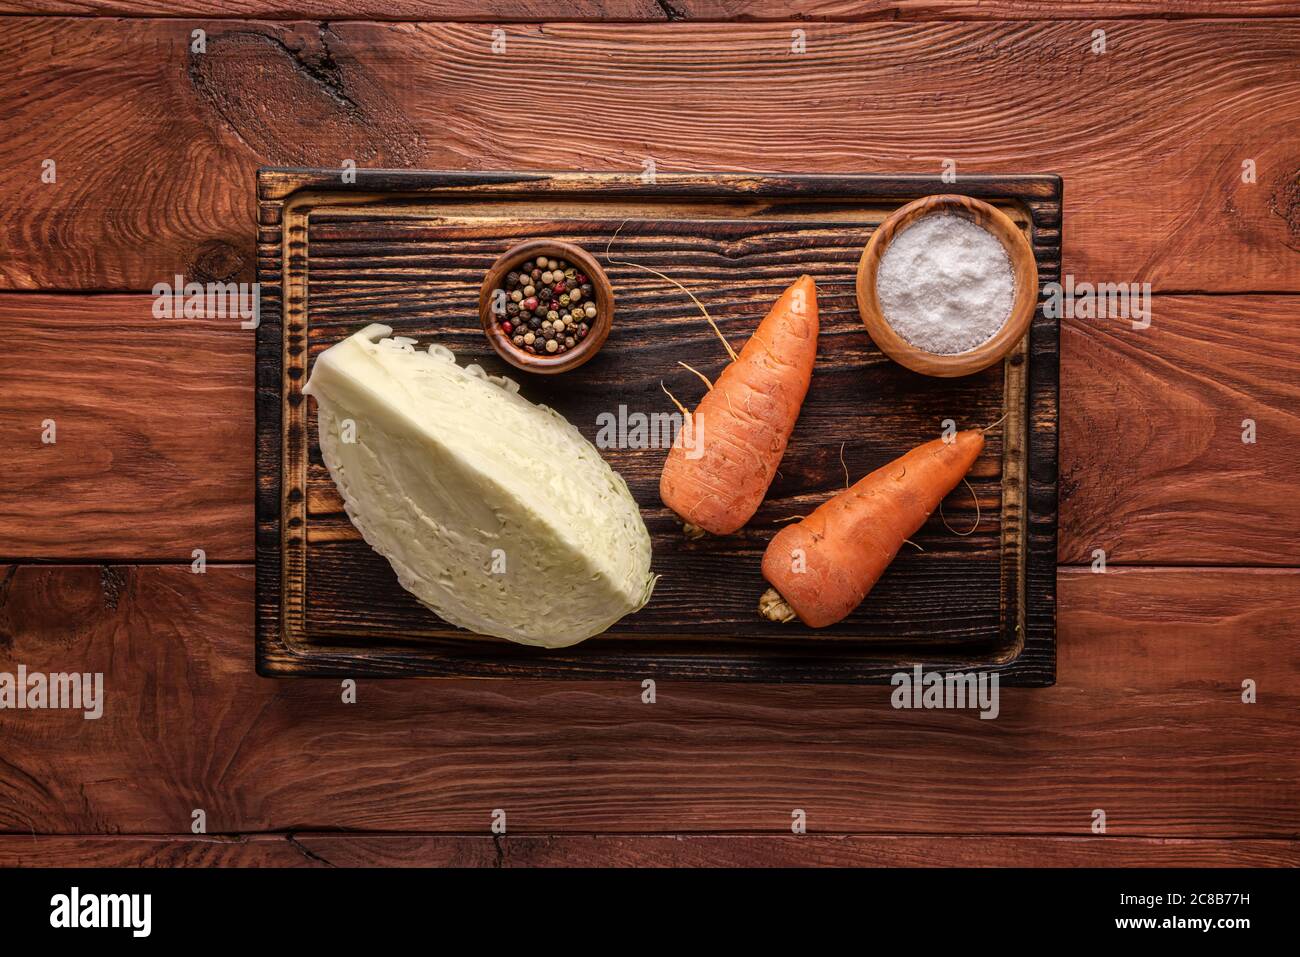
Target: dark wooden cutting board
column 409, row 249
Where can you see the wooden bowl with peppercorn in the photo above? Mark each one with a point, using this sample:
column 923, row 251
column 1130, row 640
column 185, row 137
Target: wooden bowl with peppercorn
column 546, row 306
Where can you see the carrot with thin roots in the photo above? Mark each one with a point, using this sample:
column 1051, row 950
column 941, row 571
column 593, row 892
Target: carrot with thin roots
column 822, row 568
column 721, row 465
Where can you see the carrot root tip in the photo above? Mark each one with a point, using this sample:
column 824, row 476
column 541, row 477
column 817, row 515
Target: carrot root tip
column 703, row 378
column 686, row 416
column 775, row 608
column 997, row 423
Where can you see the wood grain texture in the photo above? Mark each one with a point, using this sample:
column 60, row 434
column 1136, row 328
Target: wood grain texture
column 153, row 850
column 1157, row 164
column 316, row 849
column 1145, row 722
column 152, row 422
column 157, row 151
column 808, row 850
column 654, row 10
column 1153, row 466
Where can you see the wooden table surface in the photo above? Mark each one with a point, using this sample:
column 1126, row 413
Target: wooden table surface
column 155, row 149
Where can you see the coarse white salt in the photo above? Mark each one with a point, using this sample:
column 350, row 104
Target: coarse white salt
column 945, row 284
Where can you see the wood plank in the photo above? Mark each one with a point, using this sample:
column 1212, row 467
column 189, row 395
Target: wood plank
column 153, row 850
column 518, row 11
column 153, row 428
column 808, row 850
column 880, row 97
column 314, row 849
column 1146, row 722
column 1153, row 464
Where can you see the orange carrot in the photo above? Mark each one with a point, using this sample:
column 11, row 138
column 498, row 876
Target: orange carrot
column 719, row 469
column 823, row 567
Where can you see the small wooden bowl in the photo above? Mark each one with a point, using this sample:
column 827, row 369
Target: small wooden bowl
column 596, row 334
column 1024, row 270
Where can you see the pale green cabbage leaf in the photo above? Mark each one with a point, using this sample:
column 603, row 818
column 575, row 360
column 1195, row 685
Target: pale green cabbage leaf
column 494, row 512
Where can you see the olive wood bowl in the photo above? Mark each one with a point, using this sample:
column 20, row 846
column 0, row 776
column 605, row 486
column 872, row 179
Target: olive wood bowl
column 599, row 327
column 1023, row 268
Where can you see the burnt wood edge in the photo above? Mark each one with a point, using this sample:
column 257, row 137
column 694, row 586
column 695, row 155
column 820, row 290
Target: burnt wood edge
column 1044, row 371
column 277, row 183
column 268, row 479
column 281, row 662
column 1033, row 666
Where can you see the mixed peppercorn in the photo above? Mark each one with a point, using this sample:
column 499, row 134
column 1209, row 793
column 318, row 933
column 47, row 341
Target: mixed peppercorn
column 549, row 306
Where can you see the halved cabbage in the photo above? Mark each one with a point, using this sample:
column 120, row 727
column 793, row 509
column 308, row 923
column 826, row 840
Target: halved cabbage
column 494, row 512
